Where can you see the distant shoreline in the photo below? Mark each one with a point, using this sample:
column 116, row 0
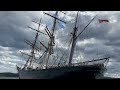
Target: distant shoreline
column 8, row 74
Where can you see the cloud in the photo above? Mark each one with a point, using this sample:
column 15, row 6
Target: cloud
column 98, row 40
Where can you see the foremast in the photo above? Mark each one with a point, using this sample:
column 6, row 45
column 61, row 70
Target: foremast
column 28, row 64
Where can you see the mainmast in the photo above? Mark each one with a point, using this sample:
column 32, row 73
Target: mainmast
column 51, row 42
column 52, row 36
column 73, row 41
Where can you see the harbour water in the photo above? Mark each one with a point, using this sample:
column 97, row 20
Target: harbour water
column 3, row 77
column 111, row 73
column 18, row 78
column 105, row 77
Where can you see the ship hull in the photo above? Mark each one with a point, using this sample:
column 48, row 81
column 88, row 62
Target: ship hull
column 73, row 72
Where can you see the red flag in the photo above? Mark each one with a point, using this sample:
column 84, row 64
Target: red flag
column 103, row 20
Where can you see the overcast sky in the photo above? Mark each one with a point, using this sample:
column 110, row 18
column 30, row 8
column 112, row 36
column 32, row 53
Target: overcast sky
column 99, row 39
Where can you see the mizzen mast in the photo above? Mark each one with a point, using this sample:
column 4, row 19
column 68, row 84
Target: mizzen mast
column 73, row 41
column 75, row 36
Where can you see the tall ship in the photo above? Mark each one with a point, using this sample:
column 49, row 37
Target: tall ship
column 49, row 64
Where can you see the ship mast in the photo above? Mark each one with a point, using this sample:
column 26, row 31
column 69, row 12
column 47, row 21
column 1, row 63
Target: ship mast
column 33, row 45
column 75, row 36
column 51, row 42
column 73, row 41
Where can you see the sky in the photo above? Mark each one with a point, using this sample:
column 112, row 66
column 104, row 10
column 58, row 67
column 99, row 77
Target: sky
column 99, row 40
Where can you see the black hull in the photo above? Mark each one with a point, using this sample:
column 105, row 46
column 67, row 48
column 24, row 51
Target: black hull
column 73, row 72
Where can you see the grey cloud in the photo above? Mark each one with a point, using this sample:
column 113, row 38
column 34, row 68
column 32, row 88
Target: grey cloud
column 13, row 31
